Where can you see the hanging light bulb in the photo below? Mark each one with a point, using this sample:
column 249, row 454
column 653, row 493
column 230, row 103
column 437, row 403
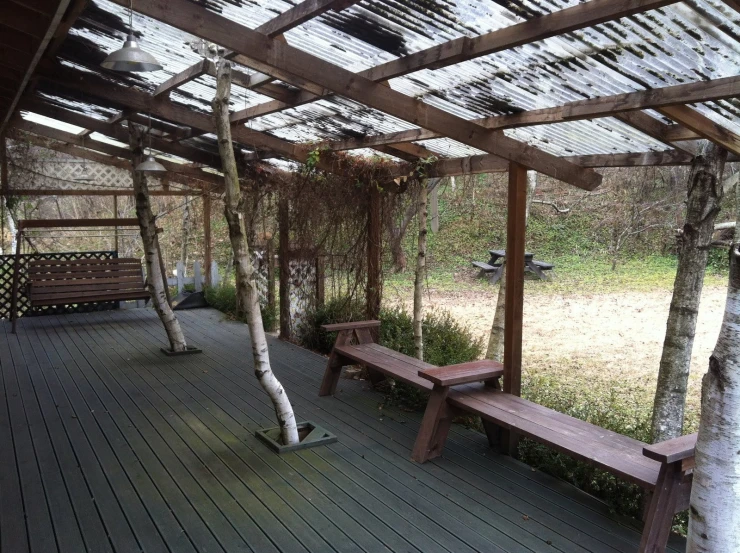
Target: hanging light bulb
column 150, row 165
column 130, row 57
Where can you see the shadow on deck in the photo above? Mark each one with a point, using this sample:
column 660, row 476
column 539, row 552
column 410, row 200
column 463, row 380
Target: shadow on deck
column 107, row 445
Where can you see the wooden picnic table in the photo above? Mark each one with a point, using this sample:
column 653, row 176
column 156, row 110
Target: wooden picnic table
column 495, row 265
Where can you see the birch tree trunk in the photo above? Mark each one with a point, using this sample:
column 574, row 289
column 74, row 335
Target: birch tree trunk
column 246, row 287
column 185, row 236
column 148, row 231
column 495, row 349
column 714, row 523
column 704, row 197
column 421, row 262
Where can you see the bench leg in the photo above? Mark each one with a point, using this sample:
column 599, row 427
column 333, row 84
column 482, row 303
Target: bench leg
column 434, row 427
column 662, row 508
column 509, row 443
column 334, row 365
column 497, row 274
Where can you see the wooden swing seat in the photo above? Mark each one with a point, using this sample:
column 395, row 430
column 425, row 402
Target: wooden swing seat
column 68, row 282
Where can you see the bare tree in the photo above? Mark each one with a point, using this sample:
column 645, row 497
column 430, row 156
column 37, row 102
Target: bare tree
column 715, row 494
column 185, row 235
column 421, row 263
column 246, row 286
column 148, row 231
column 704, row 197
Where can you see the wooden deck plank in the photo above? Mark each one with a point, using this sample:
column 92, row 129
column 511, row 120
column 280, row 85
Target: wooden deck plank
column 243, row 464
column 13, row 535
column 38, row 519
column 159, row 448
column 177, row 432
column 66, row 526
column 113, row 472
column 224, row 407
column 403, row 452
column 269, row 421
column 81, row 495
column 629, row 546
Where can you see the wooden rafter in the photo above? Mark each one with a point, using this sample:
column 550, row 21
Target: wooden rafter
column 39, row 48
column 465, row 48
column 162, row 108
column 282, row 60
column 119, row 133
column 275, row 27
column 109, row 149
column 604, row 106
column 91, row 155
column 703, row 126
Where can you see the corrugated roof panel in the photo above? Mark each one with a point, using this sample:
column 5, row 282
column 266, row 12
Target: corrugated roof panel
column 685, row 42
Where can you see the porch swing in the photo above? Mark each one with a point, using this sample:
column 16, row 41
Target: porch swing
column 65, row 282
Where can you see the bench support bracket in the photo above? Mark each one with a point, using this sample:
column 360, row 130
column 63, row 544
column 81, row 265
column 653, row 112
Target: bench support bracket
column 434, row 426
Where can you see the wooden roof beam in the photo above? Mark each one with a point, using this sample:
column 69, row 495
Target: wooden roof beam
column 301, row 67
column 91, row 155
column 109, row 149
column 703, row 126
column 55, row 22
column 461, row 49
column 289, row 19
column 491, row 164
column 604, row 106
column 122, row 97
column 118, row 132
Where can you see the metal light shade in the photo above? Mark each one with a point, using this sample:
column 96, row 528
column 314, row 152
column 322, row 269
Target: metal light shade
column 150, row 165
column 131, row 58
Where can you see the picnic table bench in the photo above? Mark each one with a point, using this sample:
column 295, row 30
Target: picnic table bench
column 495, row 266
column 663, row 470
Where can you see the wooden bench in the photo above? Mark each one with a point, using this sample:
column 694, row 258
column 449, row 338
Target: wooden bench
column 485, row 267
column 66, row 282
column 663, row 470
column 355, row 345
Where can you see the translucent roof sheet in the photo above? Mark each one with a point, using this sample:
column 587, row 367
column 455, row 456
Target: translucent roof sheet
column 685, row 42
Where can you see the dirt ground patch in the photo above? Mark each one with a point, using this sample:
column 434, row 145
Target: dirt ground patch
column 603, row 340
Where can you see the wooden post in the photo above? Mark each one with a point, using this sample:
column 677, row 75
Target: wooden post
column 4, row 187
column 515, row 239
column 16, row 270
column 284, row 257
column 374, row 268
column 207, row 235
column 115, row 216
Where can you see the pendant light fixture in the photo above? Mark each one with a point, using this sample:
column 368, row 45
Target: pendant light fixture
column 130, row 57
column 150, row 165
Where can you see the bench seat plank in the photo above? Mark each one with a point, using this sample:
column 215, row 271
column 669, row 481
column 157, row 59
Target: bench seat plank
column 110, row 261
column 375, row 357
column 608, row 450
column 111, row 296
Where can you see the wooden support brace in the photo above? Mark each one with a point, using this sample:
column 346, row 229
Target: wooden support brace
column 434, row 426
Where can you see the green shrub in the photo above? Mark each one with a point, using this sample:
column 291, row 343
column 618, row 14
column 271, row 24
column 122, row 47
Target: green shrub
column 223, row 298
column 446, row 342
column 337, row 310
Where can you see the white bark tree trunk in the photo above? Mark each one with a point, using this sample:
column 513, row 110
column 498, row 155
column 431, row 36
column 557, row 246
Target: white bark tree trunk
column 704, row 197
column 185, row 236
column 714, row 523
column 148, row 231
column 495, row 349
column 421, row 262
column 246, row 287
